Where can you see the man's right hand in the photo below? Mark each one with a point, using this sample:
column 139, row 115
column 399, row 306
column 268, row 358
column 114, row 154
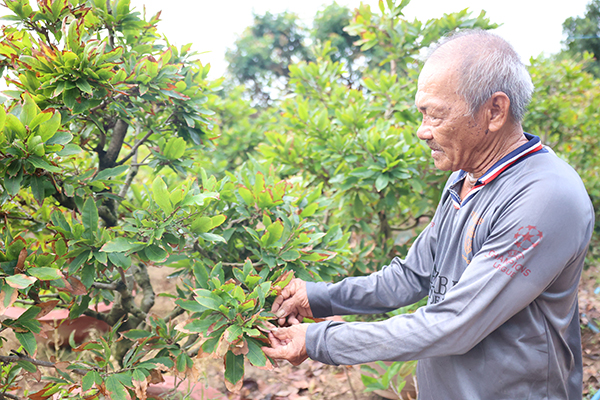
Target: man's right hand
column 291, row 306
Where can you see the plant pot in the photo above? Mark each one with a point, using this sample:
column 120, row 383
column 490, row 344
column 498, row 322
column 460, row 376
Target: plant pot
column 83, row 325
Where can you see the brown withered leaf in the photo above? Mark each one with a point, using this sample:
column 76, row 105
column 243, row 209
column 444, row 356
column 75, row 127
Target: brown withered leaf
column 140, row 389
column 155, row 377
column 13, row 298
column 21, row 261
column 46, row 307
column 74, row 286
column 235, row 388
column 40, row 394
column 37, row 375
column 81, row 347
column 240, row 347
column 222, row 347
column 181, row 326
column 268, row 366
column 62, row 366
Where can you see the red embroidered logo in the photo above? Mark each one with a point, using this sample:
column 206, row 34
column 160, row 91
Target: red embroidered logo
column 527, row 237
column 511, row 263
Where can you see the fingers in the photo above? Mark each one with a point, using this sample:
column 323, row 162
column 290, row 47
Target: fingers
column 277, row 303
column 288, row 344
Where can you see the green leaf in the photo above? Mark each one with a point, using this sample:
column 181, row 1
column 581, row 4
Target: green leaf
column 28, row 342
column 201, row 224
column 27, row 366
column 135, row 334
column 20, row 281
column 69, row 150
column 160, row 194
column 233, row 332
column 155, row 253
column 14, row 126
column 275, row 231
column 309, row 210
column 118, row 245
column 47, row 129
column 190, row 305
column 217, row 220
column 234, row 367
column 175, row 148
column 58, row 138
column 381, row 182
column 89, row 379
column 291, row 255
column 30, row 109
column 246, row 195
column 255, row 354
column 84, row 85
column 43, row 164
column 39, row 119
column 89, row 215
column 211, row 237
column 45, row 273
column 2, row 118
column 13, row 184
column 116, row 388
column 107, row 173
column 120, row 260
column 208, row 299
column 79, row 260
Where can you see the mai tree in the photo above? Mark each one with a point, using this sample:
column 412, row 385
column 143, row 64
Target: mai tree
column 104, row 134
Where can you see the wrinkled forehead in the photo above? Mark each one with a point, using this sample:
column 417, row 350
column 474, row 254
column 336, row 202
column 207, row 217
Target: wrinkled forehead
column 438, row 77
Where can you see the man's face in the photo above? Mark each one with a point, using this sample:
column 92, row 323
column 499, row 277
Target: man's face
column 455, row 139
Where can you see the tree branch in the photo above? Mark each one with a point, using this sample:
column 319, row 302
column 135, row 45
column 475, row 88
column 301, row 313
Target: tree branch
column 140, row 274
column 8, row 396
column 106, row 286
column 130, row 175
column 20, row 357
column 108, row 158
column 135, row 147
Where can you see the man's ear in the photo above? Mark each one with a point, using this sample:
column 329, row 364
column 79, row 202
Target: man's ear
column 498, row 111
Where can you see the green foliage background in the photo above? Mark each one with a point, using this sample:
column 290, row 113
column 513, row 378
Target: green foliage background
column 117, row 154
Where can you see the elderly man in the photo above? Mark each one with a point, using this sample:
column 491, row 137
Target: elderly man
column 500, row 261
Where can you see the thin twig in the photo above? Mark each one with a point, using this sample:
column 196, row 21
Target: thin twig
column 130, row 176
column 106, row 286
column 135, row 147
column 350, row 383
column 8, row 396
column 40, row 363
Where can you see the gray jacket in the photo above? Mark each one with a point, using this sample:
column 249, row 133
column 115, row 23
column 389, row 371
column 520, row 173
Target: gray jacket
column 500, row 269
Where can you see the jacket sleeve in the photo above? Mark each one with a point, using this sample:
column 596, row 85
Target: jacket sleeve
column 485, row 297
column 401, row 283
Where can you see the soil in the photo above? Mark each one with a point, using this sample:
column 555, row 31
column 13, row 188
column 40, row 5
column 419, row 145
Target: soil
column 315, row 381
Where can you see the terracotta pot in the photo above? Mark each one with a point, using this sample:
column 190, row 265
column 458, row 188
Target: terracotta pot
column 59, row 318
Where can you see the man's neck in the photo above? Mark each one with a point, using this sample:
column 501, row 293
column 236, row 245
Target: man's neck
column 505, row 144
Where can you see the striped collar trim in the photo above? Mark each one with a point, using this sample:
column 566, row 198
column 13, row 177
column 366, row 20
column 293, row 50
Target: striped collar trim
column 532, row 146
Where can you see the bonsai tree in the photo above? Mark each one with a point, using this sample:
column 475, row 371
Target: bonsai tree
column 102, row 141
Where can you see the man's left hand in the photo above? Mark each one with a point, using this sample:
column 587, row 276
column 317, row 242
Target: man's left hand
column 288, row 344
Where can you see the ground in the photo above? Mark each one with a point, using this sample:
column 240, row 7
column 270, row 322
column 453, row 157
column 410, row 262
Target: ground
column 315, row 381
column 589, row 308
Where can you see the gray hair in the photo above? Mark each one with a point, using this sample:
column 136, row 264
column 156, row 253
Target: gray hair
column 489, row 65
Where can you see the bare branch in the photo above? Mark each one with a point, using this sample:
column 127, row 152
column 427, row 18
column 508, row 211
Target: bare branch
column 105, row 286
column 140, row 273
column 8, row 396
column 129, row 179
column 108, row 158
column 135, row 147
column 39, row 363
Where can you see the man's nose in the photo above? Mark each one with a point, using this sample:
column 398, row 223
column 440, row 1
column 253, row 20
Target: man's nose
column 424, row 133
